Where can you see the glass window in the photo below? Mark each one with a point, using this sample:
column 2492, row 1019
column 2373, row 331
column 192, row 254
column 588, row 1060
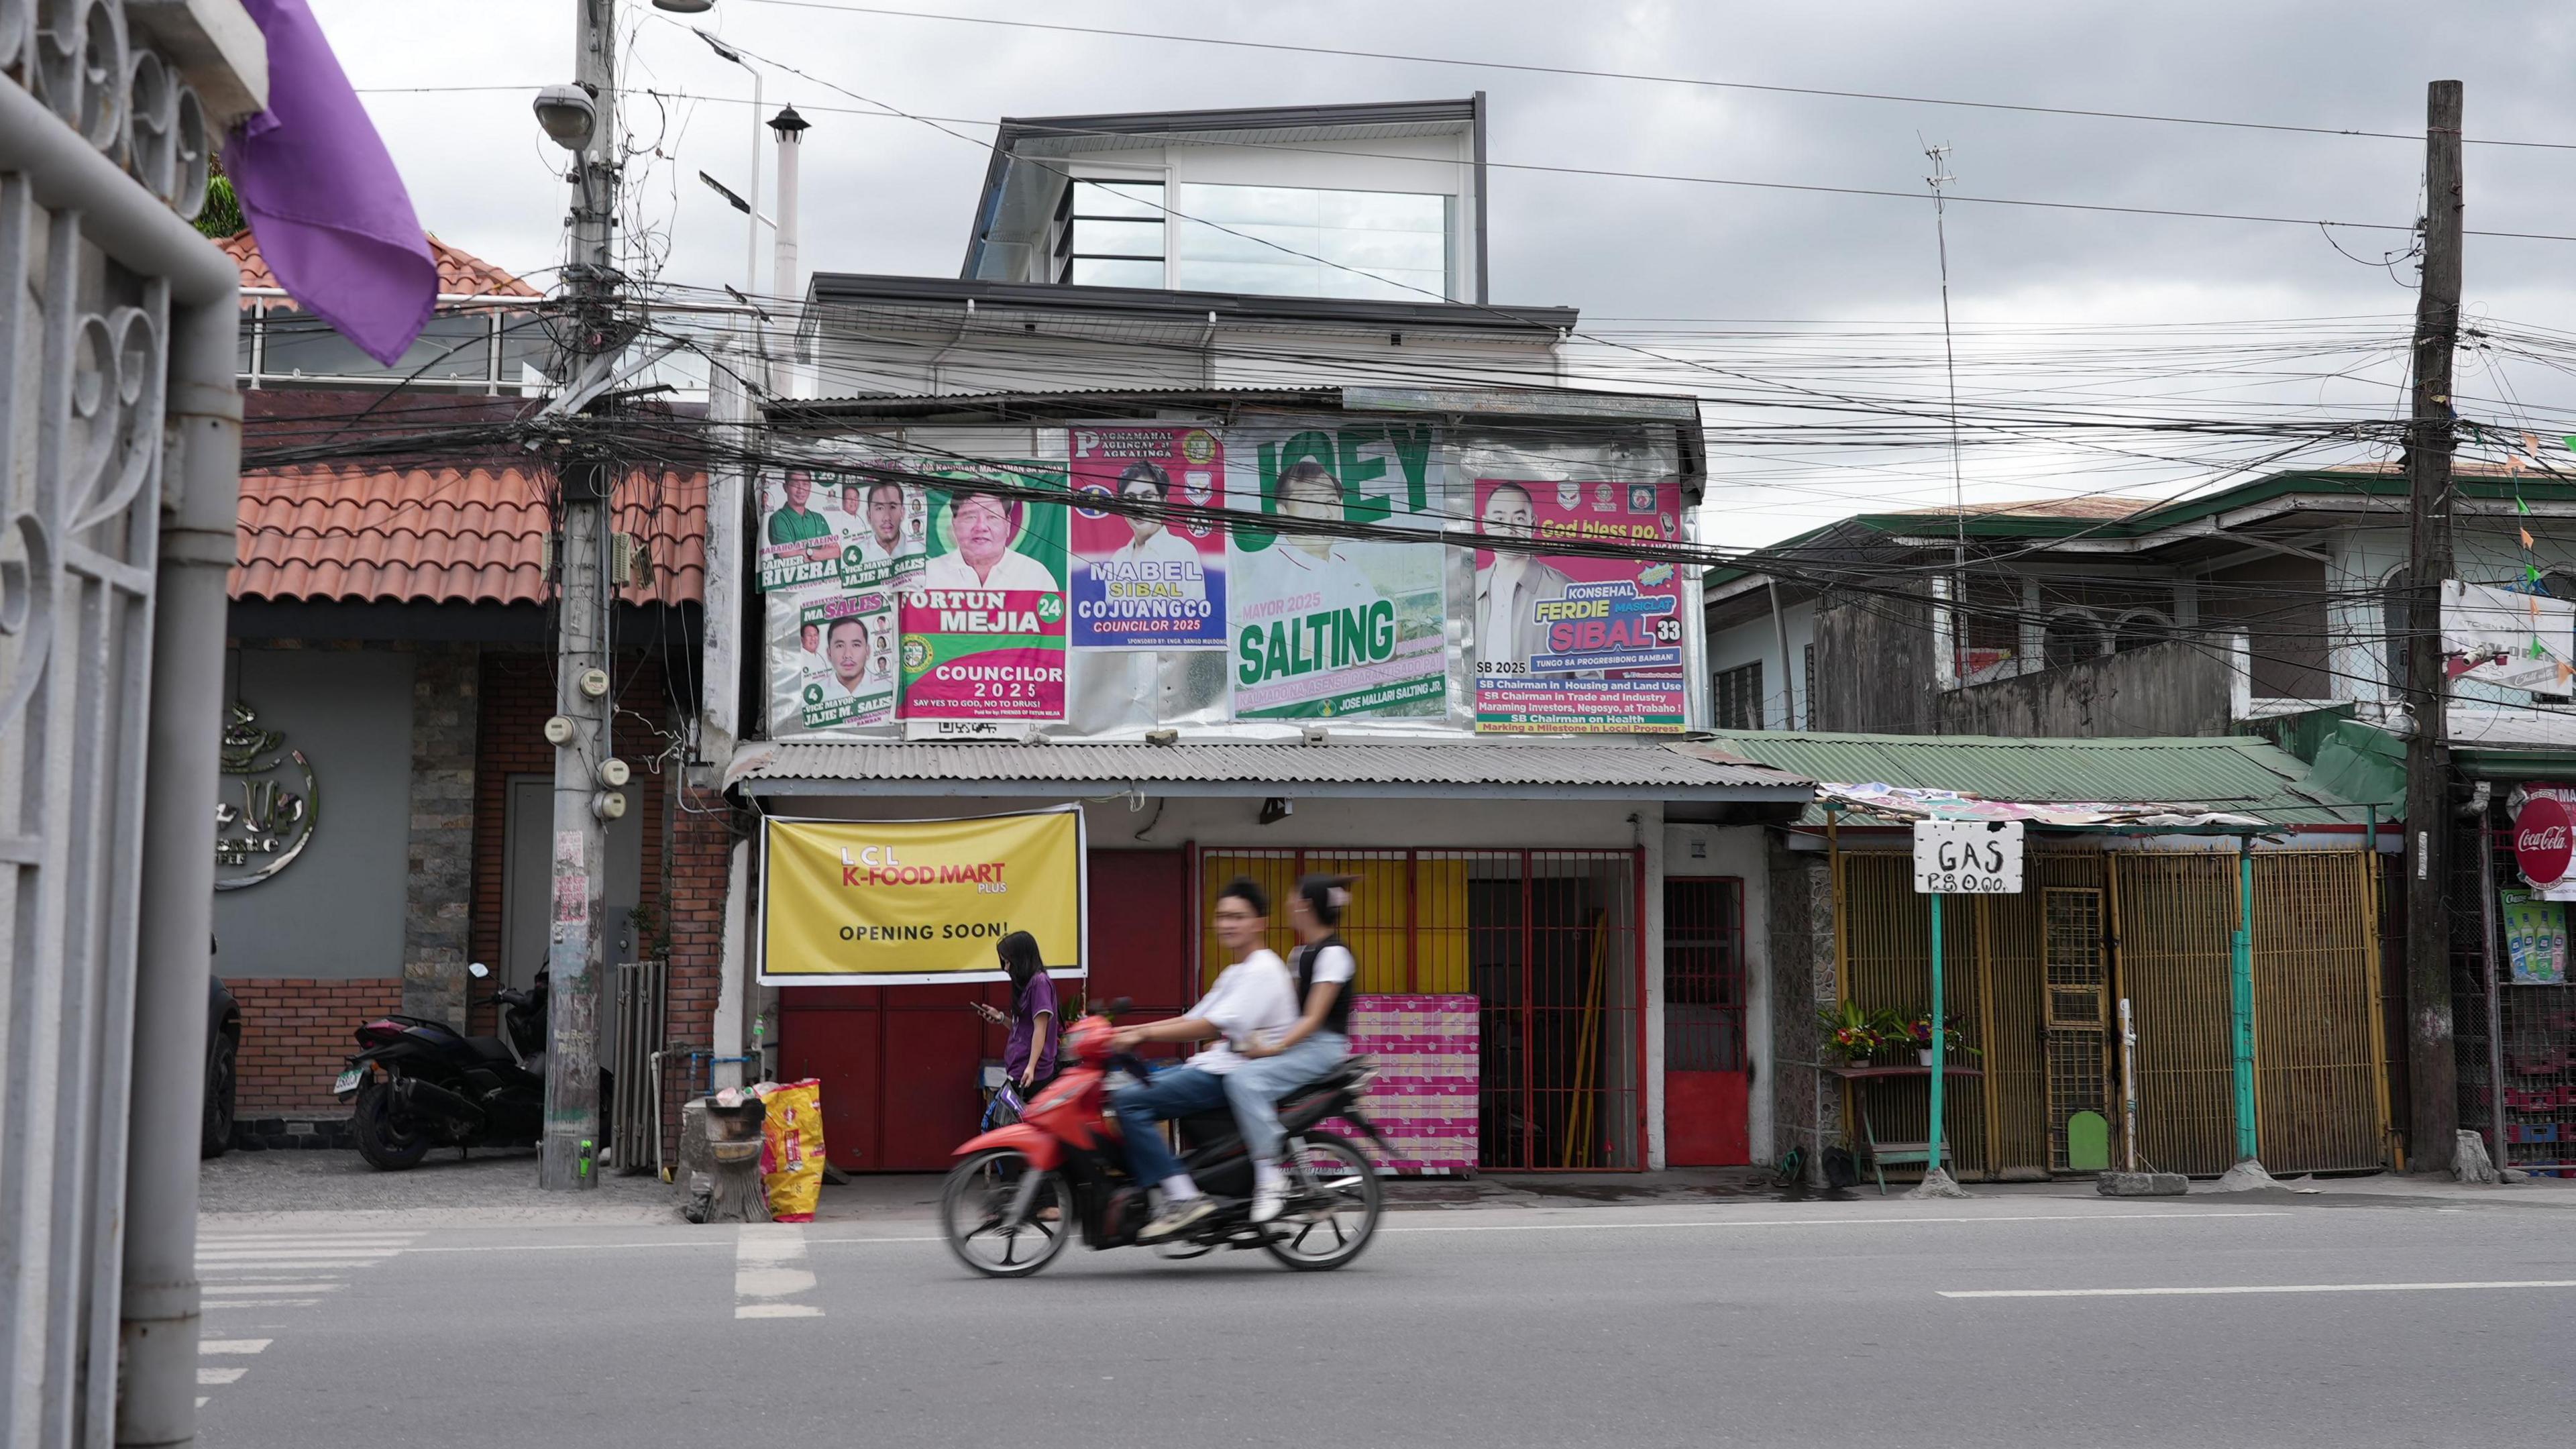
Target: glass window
column 1112, row 234
column 1096, row 238
column 1739, row 697
column 1111, row 272
column 1118, row 198
column 454, row 347
column 1305, row 242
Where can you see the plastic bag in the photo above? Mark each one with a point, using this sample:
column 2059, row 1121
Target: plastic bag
column 791, row 1148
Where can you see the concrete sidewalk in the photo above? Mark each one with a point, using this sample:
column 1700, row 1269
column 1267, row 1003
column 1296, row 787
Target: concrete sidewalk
column 310, row 1189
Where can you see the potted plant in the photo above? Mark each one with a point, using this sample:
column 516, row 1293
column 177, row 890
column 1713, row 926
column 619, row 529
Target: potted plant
column 1918, row 1029
column 1850, row 1032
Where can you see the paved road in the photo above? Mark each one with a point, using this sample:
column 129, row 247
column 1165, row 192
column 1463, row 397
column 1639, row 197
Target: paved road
column 1760, row 1324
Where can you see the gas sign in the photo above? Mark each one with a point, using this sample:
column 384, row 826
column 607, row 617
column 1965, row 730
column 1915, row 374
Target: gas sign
column 1967, row 857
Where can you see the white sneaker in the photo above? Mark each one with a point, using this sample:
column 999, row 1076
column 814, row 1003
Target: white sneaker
column 1268, row 1199
column 1177, row 1218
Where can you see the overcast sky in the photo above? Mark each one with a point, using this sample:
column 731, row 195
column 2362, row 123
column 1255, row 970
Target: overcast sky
column 891, row 195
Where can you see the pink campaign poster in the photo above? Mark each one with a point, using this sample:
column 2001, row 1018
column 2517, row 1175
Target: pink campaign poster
column 1570, row 643
column 1143, row 582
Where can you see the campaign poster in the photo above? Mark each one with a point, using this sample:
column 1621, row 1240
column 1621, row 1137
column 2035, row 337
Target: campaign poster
column 847, row 645
column 888, row 903
column 984, row 620
column 799, row 544
column 1321, row 626
column 1570, row 643
column 1139, row 581
column 882, row 527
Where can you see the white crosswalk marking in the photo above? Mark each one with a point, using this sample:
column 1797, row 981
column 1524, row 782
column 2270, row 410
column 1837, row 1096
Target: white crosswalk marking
column 270, row 1270
column 768, row 1267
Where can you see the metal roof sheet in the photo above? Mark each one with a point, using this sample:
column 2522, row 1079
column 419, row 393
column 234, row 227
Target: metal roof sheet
column 2238, row 774
column 1516, row 769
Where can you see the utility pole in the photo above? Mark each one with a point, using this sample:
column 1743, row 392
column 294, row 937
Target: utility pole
column 586, row 481
column 2432, row 1073
column 1939, row 156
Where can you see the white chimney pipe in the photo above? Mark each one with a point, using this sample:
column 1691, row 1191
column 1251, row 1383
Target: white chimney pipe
column 790, row 129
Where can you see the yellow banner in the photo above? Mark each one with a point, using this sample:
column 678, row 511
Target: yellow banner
column 884, row 903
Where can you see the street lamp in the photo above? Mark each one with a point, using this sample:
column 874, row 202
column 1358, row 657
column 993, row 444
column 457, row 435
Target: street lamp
column 569, row 116
column 685, row 7
column 751, row 229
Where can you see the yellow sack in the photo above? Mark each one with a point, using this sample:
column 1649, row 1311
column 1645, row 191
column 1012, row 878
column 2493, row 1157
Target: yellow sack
column 791, row 1148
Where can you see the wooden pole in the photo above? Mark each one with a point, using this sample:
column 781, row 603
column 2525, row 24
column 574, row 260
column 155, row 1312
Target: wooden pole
column 2432, row 1073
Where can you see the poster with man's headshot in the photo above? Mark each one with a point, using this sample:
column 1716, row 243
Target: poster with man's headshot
column 984, row 620
column 1145, row 577
column 882, row 527
column 846, row 659
column 799, row 528
column 1577, row 643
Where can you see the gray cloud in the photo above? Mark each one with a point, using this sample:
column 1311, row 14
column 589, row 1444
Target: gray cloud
column 894, row 196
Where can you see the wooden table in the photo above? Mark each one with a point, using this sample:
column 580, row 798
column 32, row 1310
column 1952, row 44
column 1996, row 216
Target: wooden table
column 1899, row 1153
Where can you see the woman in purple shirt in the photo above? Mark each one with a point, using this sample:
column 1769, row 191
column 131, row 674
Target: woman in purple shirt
column 1030, row 1057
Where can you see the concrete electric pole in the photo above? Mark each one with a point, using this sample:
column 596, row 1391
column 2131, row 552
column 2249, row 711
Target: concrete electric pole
column 2432, row 1073
column 582, row 118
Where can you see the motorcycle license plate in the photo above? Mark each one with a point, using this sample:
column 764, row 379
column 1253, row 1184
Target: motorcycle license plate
column 349, row 1081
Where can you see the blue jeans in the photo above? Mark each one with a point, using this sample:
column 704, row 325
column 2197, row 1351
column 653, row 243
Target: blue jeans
column 1256, row 1087
column 1143, row 1108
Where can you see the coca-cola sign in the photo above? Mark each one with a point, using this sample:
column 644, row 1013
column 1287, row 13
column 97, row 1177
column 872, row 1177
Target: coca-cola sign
column 2542, row 840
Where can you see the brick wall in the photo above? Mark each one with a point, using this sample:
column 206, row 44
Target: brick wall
column 297, row 1033
column 438, row 898
column 702, row 835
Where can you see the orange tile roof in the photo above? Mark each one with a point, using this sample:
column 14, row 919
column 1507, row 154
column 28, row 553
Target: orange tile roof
column 445, row 535
column 460, row 273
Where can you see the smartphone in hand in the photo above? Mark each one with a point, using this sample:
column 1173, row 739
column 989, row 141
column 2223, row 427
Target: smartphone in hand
column 987, row 1011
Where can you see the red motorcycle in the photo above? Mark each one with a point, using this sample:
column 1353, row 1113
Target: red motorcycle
column 1020, row 1191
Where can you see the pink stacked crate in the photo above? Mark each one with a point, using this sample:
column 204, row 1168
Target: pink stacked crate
column 1424, row 1097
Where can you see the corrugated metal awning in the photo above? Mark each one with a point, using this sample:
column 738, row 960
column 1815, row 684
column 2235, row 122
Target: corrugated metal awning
column 1518, row 770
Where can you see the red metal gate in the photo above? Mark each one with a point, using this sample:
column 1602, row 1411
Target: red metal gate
column 1550, row 942
column 1705, row 1079
column 898, row 1063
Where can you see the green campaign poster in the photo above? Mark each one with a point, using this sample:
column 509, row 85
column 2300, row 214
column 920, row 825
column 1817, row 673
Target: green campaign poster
column 984, row 620
column 1321, row 626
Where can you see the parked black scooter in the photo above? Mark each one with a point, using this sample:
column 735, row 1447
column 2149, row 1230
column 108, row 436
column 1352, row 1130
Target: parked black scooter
column 420, row 1083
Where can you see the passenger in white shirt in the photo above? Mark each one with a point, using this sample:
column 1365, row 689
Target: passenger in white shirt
column 1252, row 1000
column 1326, row 974
column 983, row 526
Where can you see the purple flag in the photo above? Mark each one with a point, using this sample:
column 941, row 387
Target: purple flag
column 324, row 201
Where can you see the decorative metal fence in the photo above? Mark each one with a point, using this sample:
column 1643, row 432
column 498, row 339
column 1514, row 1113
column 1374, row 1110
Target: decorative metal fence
column 118, row 460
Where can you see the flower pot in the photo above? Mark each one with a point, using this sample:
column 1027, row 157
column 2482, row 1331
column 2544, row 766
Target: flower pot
column 1924, row 1055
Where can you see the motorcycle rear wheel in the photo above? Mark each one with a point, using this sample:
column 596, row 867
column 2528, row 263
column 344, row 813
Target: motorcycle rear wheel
column 381, row 1141
column 978, row 1197
column 1316, row 1236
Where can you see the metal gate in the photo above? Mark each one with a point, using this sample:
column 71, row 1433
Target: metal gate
column 1552, row 945
column 103, row 151
column 2033, row 978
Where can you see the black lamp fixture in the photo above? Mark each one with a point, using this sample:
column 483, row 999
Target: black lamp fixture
column 685, row 7
column 790, row 126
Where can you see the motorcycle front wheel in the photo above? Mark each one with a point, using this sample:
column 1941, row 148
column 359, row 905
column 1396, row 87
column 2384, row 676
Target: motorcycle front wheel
column 1334, row 1208
column 976, row 1206
column 382, row 1141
